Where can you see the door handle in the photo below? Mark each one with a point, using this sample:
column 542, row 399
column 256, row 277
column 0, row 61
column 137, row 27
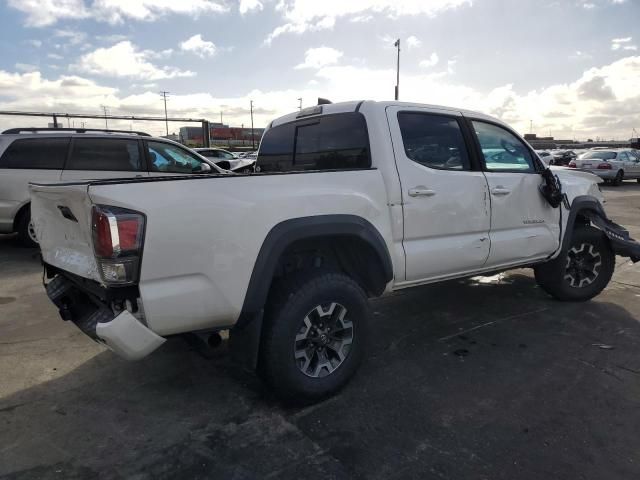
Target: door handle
column 500, row 190
column 421, row 192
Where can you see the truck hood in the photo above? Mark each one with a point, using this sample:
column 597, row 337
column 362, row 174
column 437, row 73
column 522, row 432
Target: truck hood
column 576, row 182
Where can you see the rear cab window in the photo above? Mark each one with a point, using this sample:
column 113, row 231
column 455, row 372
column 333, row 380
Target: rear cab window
column 331, row 142
column 36, row 153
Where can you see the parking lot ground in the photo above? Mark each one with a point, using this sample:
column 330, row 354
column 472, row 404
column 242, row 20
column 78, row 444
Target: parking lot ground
column 482, row 378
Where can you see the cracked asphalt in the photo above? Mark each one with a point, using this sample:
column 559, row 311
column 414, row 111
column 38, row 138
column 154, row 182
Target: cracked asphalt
column 483, row 379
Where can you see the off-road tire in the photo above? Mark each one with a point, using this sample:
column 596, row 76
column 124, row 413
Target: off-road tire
column 290, row 304
column 558, row 280
column 22, row 227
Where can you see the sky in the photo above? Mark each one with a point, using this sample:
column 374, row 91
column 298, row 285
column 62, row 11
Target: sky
column 566, row 68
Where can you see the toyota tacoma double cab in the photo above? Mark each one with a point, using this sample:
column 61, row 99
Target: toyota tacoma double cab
column 352, row 201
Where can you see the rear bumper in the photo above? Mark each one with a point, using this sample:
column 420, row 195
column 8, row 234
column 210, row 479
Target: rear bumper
column 120, row 331
column 604, row 174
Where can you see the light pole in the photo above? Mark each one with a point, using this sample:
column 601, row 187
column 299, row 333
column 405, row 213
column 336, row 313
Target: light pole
column 397, row 44
column 300, row 106
column 166, row 121
column 253, row 140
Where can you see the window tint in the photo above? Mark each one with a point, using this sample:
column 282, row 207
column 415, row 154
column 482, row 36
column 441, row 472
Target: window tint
column 168, row 158
column 113, row 154
column 502, row 150
column 327, row 143
column 599, row 155
column 42, row 153
column 434, row 141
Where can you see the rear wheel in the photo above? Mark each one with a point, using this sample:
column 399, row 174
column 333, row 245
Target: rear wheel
column 583, row 271
column 26, row 232
column 314, row 337
column 619, row 178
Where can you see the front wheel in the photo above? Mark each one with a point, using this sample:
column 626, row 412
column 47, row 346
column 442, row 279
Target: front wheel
column 581, row 272
column 314, row 337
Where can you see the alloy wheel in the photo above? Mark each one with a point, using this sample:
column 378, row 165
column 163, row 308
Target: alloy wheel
column 323, row 340
column 583, row 265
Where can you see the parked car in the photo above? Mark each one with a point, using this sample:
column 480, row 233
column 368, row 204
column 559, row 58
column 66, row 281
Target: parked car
column 612, row 165
column 354, row 200
column 227, row 160
column 562, row 157
column 546, row 157
column 51, row 155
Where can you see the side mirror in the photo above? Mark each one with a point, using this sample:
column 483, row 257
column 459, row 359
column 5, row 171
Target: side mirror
column 204, row 168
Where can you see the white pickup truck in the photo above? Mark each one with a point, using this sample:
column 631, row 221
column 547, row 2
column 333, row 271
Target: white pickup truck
column 352, row 201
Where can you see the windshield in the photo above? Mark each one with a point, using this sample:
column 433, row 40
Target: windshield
column 599, row 155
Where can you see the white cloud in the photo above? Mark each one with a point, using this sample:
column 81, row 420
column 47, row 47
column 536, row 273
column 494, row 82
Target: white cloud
column 249, row 5
column 431, row 62
column 413, row 42
column 47, row 12
column 25, row 67
column 320, row 57
column 54, row 56
column 198, row 46
column 311, row 15
column 72, row 37
column 623, row 44
column 603, row 101
column 124, row 60
column 35, row 43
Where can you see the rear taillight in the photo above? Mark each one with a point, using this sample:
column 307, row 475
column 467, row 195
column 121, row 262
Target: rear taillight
column 572, row 164
column 117, row 243
column 604, row 166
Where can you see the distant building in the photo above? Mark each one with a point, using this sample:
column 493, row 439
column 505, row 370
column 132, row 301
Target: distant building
column 550, row 143
column 220, row 134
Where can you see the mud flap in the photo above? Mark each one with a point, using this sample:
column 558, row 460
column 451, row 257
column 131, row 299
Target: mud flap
column 244, row 340
column 621, row 243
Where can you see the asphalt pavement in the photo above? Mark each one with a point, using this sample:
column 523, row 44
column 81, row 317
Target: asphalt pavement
column 486, row 378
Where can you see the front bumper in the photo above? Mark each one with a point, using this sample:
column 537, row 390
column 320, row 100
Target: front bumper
column 604, row 174
column 621, row 243
column 119, row 331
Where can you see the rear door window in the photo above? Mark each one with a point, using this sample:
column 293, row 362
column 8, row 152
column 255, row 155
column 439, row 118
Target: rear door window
column 332, row 142
column 434, row 141
column 36, row 153
column 111, row 154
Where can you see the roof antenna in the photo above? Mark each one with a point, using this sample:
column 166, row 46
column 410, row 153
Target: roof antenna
column 323, row 101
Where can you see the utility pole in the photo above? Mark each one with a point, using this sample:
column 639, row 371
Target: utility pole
column 253, row 140
column 397, row 44
column 166, row 121
column 104, row 109
column 300, row 106
column 242, row 133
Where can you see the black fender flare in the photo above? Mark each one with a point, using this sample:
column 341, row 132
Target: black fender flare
column 621, row 243
column 585, row 205
column 245, row 335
